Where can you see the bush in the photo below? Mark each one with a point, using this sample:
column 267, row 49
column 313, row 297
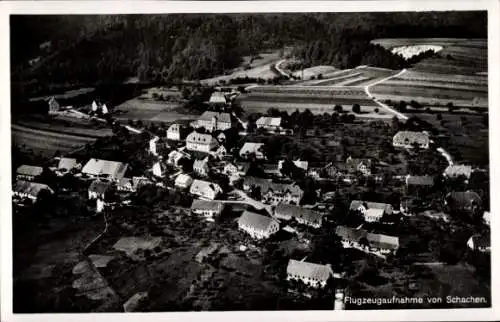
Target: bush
column 356, row 108
column 376, row 110
column 338, row 108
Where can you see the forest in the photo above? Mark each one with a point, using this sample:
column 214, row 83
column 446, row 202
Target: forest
column 100, row 49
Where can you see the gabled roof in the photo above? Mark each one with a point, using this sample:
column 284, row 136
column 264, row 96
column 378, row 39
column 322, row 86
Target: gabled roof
column 409, row 137
column 30, row 188
column 383, row 241
column 182, row 179
column 221, row 116
column 218, row 97
column 309, row 270
column 350, row 234
column 463, row 199
column 457, row 170
column 99, row 186
column 298, row 212
column 251, row 147
column 420, row 180
column 174, row 128
column 206, row 205
column 113, row 169
column 352, row 164
column 201, row 185
column 268, row 121
column 355, row 204
column 200, row 138
column 266, row 185
column 482, row 241
column 256, row 221
column 67, row 163
column 200, row 163
column 29, row 170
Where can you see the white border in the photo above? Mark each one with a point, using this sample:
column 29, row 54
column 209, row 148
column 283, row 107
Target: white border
column 143, row 7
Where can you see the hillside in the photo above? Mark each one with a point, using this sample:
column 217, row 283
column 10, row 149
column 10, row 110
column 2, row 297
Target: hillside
column 87, row 50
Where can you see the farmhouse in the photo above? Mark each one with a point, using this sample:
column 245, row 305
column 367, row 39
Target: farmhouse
column 99, row 189
column 201, row 142
column 408, row 139
column 304, row 165
column 427, row 181
column 301, row 215
column 480, row 243
column 205, row 189
column 315, row 275
column 67, row 164
column 372, row 211
column 213, row 121
column 274, row 193
column 363, row 166
column 28, row 172
column 382, row 243
column 252, row 149
column 457, row 170
column 258, row 226
column 174, row 158
column 103, row 168
column 131, row 185
column 466, row 201
column 269, row 123
column 200, row 167
column 271, row 169
column 206, row 208
column 174, row 132
column 183, row 181
column 30, row 190
column 363, row 240
column 158, row 169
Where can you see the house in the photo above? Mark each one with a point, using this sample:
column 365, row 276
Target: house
column 301, row 215
column 100, row 204
column 269, row 123
column 125, row 184
column 158, row 169
column 372, row 211
column 174, row 132
column 112, row 170
column 53, row 105
column 67, row 164
column 174, row 158
column 153, row 145
column 271, row 169
column 200, row 167
column 457, row 170
column 99, row 189
column 424, row 181
column 258, row 226
column 201, row 142
column 233, row 172
column 28, row 172
column 363, row 240
column 205, row 189
column 328, row 171
column 363, row 166
column 408, row 139
column 29, row 190
column 312, row 274
column 250, row 148
column 274, row 193
column 298, row 163
column 183, row 181
column 463, row 201
column 481, row 243
column 213, row 121
column 206, row 208
column 220, row 152
column 218, row 98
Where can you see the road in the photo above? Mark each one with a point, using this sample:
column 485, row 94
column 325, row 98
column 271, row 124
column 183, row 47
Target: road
column 248, row 201
column 279, row 70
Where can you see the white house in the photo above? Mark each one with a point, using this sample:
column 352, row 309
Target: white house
column 218, row 98
column 112, row 170
column 200, row 167
column 456, row 170
column 408, row 139
column 257, row 226
column 28, row 172
column 183, row 181
column 368, row 242
column 174, row 158
column 174, row 132
column 158, row 170
column 312, row 274
column 232, row 172
column 205, row 190
column 269, row 123
column 372, row 211
column 201, row 142
column 487, row 218
column 206, row 208
column 301, row 215
column 220, row 153
column 250, row 148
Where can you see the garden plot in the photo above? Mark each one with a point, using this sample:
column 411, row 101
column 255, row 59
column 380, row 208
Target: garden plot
column 315, row 71
column 131, row 245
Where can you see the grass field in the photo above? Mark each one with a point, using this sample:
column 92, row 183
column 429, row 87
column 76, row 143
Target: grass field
column 358, row 77
column 152, row 111
column 314, row 71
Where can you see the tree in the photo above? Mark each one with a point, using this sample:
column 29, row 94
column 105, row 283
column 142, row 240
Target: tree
column 439, row 116
column 376, row 110
column 338, row 108
column 356, row 108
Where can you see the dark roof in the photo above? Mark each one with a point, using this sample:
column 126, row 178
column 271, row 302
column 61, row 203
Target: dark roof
column 463, row 199
column 99, row 186
column 382, row 241
column 206, row 205
column 221, row 117
column 351, row 234
column 258, row 222
column 298, row 212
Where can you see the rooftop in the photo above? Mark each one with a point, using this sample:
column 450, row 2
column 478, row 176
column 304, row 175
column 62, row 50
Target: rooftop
column 113, row 169
column 309, row 270
column 355, row 204
column 298, row 212
column 221, row 117
column 258, row 222
column 30, row 188
column 67, row 163
column 29, row 170
column 207, row 205
column 268, row 121
column 251, row 147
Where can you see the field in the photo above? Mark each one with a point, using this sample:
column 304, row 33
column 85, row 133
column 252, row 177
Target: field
column 435, row 89
column 358, row 77
column 65, row 95
column 458, row 56
column 314, row 71
column 151, row 111
column 409, row 51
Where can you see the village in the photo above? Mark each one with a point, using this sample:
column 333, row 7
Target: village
column 236, row 180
